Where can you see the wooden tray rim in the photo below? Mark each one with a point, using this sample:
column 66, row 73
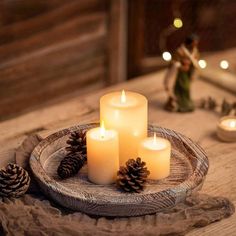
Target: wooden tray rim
column 177, row 193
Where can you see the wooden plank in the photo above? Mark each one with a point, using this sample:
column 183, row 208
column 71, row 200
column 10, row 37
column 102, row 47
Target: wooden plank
column 53, row 47
column 48, row 20
column 57, row 66
column 68, row 30
column 117, row 47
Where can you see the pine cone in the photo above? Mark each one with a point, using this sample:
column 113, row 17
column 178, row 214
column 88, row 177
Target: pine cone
column 77, row 142
column 70, row 165
column 226, row 108
column 202, row 103
column 14, row 181
column 132, row 177
column 212, row 104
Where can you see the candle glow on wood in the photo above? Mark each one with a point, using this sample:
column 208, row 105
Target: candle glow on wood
column 102, row 155
column 156, row 153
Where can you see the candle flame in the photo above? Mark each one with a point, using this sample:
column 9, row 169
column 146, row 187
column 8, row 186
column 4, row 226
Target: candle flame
column 102, row 129
column 123, row 96
column 232, row 124
column 155, row 139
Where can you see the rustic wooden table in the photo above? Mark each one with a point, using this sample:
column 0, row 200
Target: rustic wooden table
column 199, row 125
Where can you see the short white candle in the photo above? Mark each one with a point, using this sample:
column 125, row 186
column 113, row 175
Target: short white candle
column 125, row 112
column 229, row 124
column 102, row 155
column 156, row 153
column 226, row 129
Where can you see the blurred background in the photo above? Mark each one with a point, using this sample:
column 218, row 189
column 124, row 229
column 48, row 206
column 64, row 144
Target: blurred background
column 54, row 50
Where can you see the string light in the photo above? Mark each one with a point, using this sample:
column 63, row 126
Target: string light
column 224, row 64
column 166, row 56
column 178, row 23
column 202, row 63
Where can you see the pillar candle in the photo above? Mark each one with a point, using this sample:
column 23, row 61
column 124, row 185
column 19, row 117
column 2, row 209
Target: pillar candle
column 156, row 153
column 126, row 112
column 102, row 155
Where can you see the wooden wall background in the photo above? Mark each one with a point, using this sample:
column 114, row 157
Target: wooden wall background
column 52, row 48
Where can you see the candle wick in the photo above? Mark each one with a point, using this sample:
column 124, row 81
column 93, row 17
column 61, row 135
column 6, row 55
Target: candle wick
column 102, row 130
column 123, row 97
column 155, row 139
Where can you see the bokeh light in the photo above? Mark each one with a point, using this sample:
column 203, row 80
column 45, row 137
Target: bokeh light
column 166, row 56
column 178, row 23
column 202, row 63
column 224, row 64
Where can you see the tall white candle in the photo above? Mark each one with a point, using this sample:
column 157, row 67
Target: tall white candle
column 156, row 153
column 102, row 155
column 126, row 112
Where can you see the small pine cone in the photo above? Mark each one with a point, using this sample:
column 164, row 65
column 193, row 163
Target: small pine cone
column 133, row 177
column 202, row 103
column 226, row 108
column 77, row 142
column 212, row 104
column 14, row 181
column 234, row 105
column 70, row 165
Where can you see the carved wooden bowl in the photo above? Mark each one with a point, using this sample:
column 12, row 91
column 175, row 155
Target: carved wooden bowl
column 189, row 166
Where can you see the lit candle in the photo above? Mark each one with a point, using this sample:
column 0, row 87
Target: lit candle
column 156, row 153
column 126, row 112
column 102, row 155
column 226, row 129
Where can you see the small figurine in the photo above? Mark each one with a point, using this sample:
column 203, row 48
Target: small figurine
column 180, row 74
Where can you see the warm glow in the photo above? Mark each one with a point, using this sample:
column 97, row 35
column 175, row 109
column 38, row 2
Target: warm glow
column 166, row 56
column 202, row 63
column 224, row 64
column 102, row 129
column 229, row 123
column 232, row 124
column 123, row 96
column 155, row 139
column 178, row 23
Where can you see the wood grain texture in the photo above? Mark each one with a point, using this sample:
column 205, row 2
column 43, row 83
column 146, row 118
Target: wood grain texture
column 117, row 33
column 200, row 126
column 189, row 166
column 51, row 52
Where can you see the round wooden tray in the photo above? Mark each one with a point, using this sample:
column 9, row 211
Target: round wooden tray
column 189, row 166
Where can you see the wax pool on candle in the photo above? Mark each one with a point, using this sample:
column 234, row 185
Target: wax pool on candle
column 126, row 112
column 156, row 153
column 102, row 155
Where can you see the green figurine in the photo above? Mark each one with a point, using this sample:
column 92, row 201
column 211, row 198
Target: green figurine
column 180, row 75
